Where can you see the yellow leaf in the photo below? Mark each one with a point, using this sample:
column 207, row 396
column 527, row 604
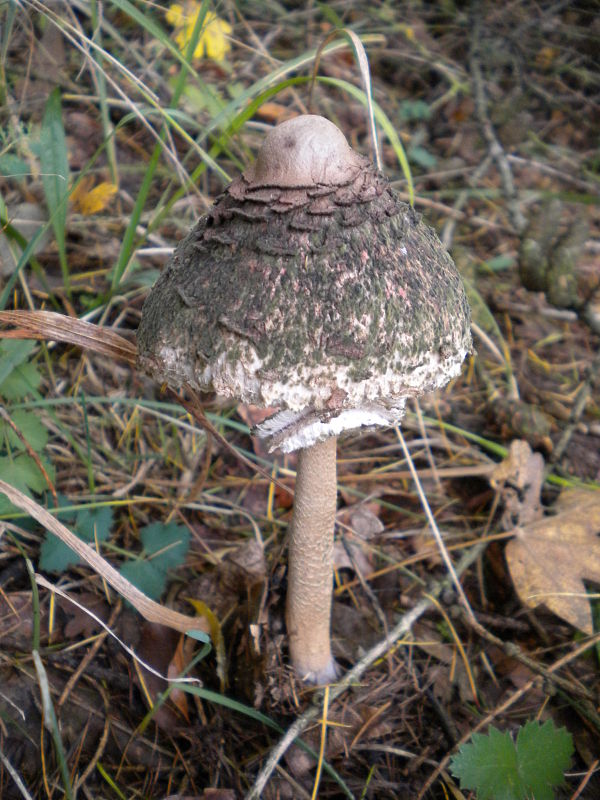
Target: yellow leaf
column 213, row 39
column 550, row 559
column 546, row 57
column 216, row 635
column 90, row 201
column 272, row 112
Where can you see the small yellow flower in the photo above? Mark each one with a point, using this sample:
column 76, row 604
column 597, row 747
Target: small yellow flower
column 176, row 15
column 213, row 38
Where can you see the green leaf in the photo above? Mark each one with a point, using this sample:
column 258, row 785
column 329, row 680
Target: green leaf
column 22, row 381
column 488, row 765
column 30, row 426
column 12, row 353
column 422, row 157
column 414, row 109
column 166, row 544
column 145, row 576
column 544, row 754
column 497, row 769
column 13, row 167
column 24, row 474
column 56, row 556
column 94, row 524
column 165, row 547
column 18, row 377
column 55, row 173
column 500, row 263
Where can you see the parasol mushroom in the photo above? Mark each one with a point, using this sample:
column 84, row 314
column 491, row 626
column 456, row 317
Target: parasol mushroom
column 309, row 287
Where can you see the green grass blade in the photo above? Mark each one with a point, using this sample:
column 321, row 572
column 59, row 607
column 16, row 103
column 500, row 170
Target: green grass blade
column 127, row 247
column 52, row 722
column 5, row 31
column 251, row 108
column 55, row 175
column 150, row 26
column 240, row 708
column 386, row 125
column 107, row 126
column 361, row 59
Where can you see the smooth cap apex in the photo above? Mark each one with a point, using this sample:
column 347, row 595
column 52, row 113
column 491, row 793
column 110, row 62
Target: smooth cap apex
column 304, row 151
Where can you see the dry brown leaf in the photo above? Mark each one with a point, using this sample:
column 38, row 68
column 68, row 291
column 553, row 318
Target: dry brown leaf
column 273, row 112
column 519, row 478
column 57, row 327
column 550, row 559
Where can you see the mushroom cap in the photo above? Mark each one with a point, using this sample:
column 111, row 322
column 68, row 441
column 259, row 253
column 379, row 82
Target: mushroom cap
column 304, row 151
column 309, row 287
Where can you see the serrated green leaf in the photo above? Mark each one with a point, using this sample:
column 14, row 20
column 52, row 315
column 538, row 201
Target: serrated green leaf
column 145, row 576
column 56, row 556
column 30, row 426
column 12, row 353
column 23, row 473
column 165, row 547
column 94, row 524
column 498, row 769
column 488, row 766
column 23, row 380
column 543, row 754
column 166, row 544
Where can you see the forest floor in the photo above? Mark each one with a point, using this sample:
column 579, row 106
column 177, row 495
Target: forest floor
column 110, row 149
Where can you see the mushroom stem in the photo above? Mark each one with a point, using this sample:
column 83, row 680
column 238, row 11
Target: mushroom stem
column 310, row 556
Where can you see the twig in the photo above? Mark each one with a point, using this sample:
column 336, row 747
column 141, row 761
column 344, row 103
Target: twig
column 514, row 651
column 579, row 405
column 355, row 674
column 448, row 230
column 454, row 211
column 194, row 408
column 495, row 148
column 573, row 179
column 15, row 776
column 434, row 528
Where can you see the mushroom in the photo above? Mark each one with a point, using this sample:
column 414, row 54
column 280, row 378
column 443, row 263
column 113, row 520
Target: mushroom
column 311, row 288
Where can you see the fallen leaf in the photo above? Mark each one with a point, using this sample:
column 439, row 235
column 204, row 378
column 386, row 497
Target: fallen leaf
column 88, row 200
column 550, row 559
column 546, row 57
column 519, row 479
column 178, row 663
column 273, row 112
column 353, row 552
column 216, row 636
